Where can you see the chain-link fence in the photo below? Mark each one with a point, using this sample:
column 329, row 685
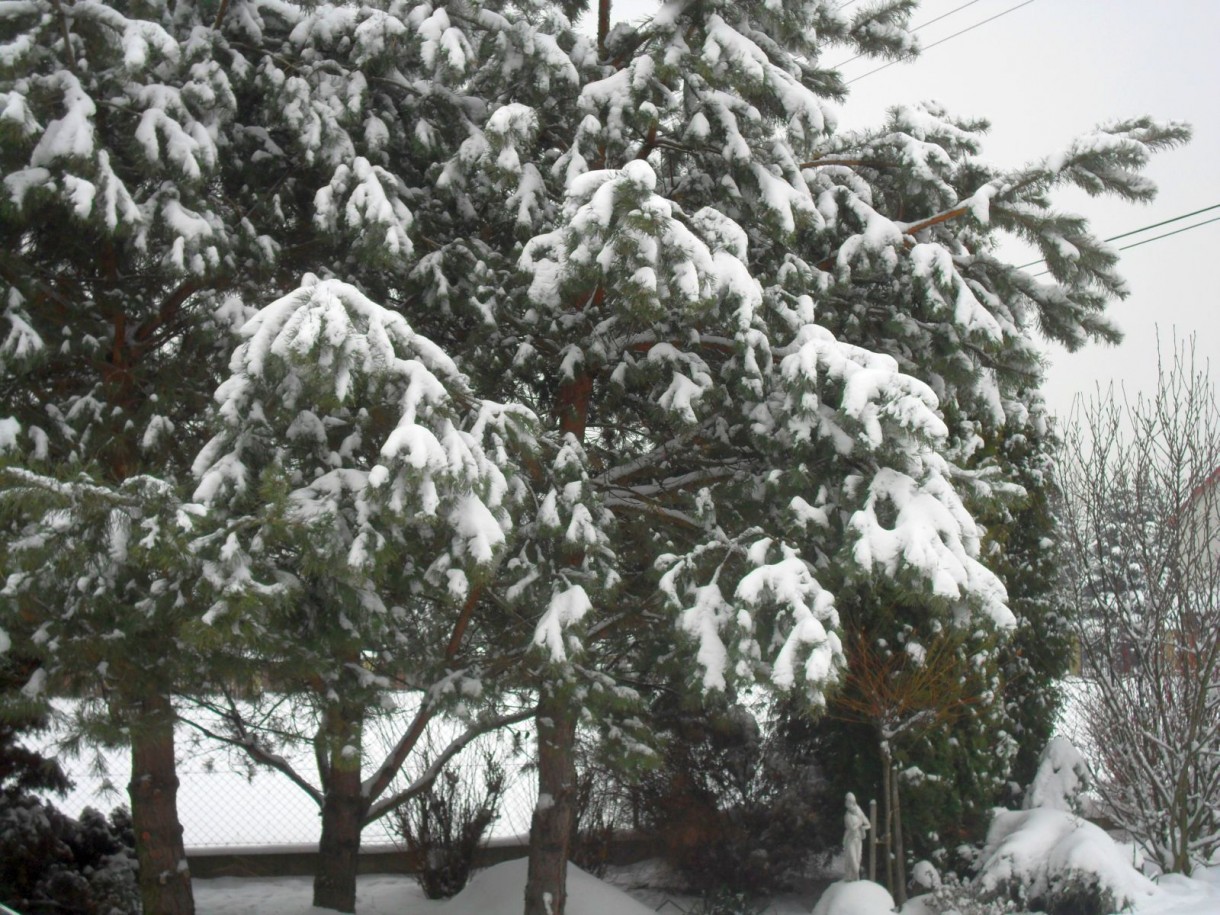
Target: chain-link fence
column 223, row 803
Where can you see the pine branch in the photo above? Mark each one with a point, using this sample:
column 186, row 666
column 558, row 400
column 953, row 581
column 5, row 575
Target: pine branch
column 67, row 35
column 170, row 308
column 250, row 746
column 380, row 780
column 848, row 163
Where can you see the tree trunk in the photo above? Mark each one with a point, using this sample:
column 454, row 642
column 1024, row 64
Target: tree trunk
column 888, row 814
column 872, row 841
column 900, row 864
column 555, row 815
column 164, row 877
column 343, row 809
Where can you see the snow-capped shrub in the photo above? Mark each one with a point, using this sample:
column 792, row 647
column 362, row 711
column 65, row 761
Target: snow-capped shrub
column 723, row 901
column 859, row 897
column 51, row 862
column 1063, row 775
column 1056, row 862
column 954, row 896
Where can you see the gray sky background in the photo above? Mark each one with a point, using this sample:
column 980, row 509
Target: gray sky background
column 1048, row 71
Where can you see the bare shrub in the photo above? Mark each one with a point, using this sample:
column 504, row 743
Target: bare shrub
column 444, row 826
column 1141, row 528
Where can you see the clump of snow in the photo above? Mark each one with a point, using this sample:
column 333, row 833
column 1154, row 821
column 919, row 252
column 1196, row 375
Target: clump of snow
column 925, row 875
column 9, row 430
column 1063, row 774
column 500, row 890
column 859, row 897
column 1045, row 854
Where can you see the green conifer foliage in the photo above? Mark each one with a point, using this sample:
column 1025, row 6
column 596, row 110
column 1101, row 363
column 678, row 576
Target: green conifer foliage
column 749, row 365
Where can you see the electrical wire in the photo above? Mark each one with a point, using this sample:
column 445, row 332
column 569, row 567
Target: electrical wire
column 1011, row 9
column 924, row 25
column 1167, row 234
column 1155, row 225
column 1164, row 222
column 912, row 32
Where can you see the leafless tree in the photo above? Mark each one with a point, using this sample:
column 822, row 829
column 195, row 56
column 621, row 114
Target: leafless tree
column 1140, row 481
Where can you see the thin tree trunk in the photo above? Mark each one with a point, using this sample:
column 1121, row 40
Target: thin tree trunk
column 555, row 814
column 900, row 865
column 343, row 809
column 888, row 814
column 872, row 841
column 164, row 877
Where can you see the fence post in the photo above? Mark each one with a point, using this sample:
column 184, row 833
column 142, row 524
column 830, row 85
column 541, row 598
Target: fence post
column 872, row 840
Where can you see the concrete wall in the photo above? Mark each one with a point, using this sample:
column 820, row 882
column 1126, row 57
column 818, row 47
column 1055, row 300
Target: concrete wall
column 301, row 861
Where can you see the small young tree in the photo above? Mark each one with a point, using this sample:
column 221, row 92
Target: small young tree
column 905, row 693
column 1141, row 529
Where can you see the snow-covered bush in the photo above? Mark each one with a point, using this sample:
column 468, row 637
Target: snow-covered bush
column 954, row 896
column 51, row 862
column 1056, row 862
column 723, row 901
column 1063, row 776
column 859, row 897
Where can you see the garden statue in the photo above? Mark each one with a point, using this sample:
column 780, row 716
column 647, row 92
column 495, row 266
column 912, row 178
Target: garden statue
column 855, row 825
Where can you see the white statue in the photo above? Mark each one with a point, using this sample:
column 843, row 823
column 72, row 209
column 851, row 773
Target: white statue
column 855, row 825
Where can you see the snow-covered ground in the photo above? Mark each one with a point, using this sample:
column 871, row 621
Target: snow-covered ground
column 499, row 891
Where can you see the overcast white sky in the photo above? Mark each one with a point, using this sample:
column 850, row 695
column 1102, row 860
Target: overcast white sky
column 1048, row 71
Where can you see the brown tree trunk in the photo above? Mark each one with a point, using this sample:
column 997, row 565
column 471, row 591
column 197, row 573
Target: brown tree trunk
column 343, row 808
column 872, row 841
column 900, row 864
column 164, row 877
column 555, row 815
column 888, row 814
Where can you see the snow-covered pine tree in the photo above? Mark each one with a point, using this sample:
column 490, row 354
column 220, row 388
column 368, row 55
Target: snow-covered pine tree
column 681, row 223
column 698, row 413
column 377, row 98
column 958, row 317
column 358, row 502
column 112, row 229
column 163, row 165
column 677, row 201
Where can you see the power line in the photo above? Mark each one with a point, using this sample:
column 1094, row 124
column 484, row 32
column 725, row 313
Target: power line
column 1011, row 9
column 1163, row 222
column 1145, row 241
column 1155, row 225
column 911, row 32
column 924, row 25
column 1167, row 234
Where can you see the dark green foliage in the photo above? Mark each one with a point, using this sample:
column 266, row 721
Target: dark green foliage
column 733, row 812
column 50, row 862
column 1071, row 892
column 23, row 770
column 721, row 900
column 1039, row 652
